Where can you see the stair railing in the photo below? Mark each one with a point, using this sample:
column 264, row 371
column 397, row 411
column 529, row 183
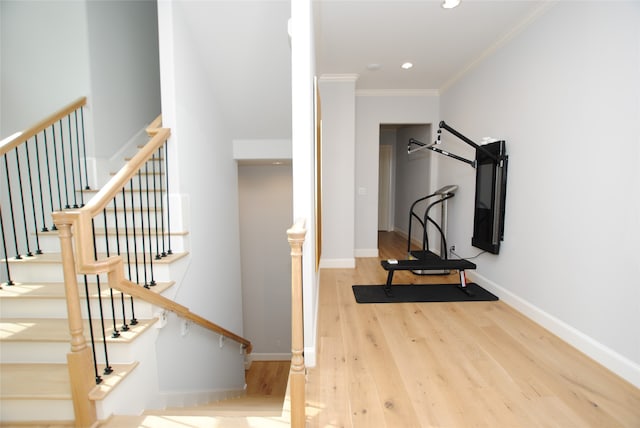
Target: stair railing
column 43, row 170
column 129, row 267
column 297, row 371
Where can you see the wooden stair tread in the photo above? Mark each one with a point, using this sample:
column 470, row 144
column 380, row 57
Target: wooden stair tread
column 34, row 381
column 57, row 258
column 109, row 382
column 51, row 381
column 57, row 330
column 55, row 290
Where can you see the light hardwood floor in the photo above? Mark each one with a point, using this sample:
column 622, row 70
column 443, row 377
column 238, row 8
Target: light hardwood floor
column 475, row 364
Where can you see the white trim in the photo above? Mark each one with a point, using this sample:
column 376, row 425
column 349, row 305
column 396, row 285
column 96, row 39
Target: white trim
column 337, row 263
column 262, row 149
column 310, row 352
column 366, row 252
column 352, row 77
column 397, row 93
column 610, row 359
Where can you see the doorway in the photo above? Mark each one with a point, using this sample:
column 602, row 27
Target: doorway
column 401, row 178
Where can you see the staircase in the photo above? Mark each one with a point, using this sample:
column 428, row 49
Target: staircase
column 34, row 334
column 83, row 303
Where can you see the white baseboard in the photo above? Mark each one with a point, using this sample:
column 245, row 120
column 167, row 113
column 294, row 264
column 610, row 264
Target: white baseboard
column 366, row 252
column 610, row 359
column 337, row 263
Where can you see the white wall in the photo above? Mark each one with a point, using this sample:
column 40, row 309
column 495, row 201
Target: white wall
column 125, row 73
column 413, row 179
column 337, row 94
column 372, row 109
column 303, row 156
column 45, row 60
column 565, row 95
column 201, row 156
column 53, row 52
column 266, row 209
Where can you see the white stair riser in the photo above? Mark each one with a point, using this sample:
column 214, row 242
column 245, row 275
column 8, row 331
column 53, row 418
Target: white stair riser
column 52, row 272
column 137, row 219
column 37, row 410
column 57, row 308
column 51, row 243
column 56, row 352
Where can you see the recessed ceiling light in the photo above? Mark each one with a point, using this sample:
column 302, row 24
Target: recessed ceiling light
column 407, row 65
column 374, row 67
column 450, row 4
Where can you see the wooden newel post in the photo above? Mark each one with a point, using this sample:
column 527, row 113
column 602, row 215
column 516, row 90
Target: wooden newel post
column 79, row 359
column 297, row 372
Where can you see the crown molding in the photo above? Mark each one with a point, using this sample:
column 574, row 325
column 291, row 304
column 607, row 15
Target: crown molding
column 397, row 93
column 347, row 77
column 506, row 38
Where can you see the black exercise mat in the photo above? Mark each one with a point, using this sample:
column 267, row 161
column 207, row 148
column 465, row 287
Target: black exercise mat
column 421, row 293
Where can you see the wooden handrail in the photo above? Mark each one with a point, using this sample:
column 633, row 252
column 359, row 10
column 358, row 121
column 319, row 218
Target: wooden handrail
column 296, row 236
column 85, row 261
column 19, row 137
column 154, row 126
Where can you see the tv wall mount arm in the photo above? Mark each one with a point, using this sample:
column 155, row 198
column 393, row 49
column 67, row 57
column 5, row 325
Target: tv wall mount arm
column 415, row 145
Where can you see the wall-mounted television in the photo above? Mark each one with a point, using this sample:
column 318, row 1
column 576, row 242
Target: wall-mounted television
column 491, row 189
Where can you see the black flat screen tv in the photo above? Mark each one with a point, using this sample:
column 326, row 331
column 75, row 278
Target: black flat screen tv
column 491, row 189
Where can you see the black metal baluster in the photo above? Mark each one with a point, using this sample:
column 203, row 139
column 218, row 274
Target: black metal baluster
column 166, row 171
column 144, row 251
column 135, row 246
column 84, row 147
column 126, row 236
column 115, row 332
column 57, row 165
column 133, row 229
column 162, row 196
column 33, row 201
column 24, row 211
column 146, row 175
column 91, row 334
column 11, row 210
column 81, row 188
column 4, row 247
column 155, row 210
column 107, row 368
column 74, row 191
column 49, row 179
column 42, row 208
column 64, row 168
column 124, row 327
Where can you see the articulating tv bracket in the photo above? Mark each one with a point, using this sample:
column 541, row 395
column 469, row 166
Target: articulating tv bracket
column 411, row 147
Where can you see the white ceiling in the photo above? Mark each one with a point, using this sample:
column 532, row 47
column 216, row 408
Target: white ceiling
column 441, row 43
column 245, row 48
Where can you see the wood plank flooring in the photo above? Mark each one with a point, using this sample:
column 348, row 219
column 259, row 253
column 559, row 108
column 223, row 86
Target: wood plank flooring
column 474, row 364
